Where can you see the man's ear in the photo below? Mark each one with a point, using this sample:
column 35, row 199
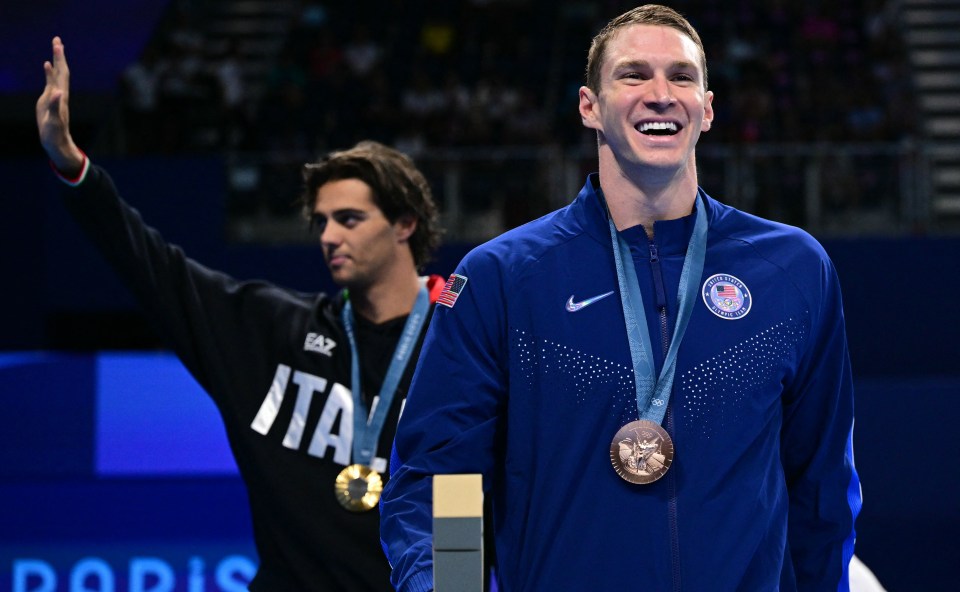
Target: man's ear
column 405, row 226
column 589, row 109
column 707, row 112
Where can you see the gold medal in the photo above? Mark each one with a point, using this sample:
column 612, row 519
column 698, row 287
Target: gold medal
column 358, row 488
column 641, row 452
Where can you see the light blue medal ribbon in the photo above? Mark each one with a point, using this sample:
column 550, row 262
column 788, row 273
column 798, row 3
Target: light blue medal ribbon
column 654, row 394
column 367, row 426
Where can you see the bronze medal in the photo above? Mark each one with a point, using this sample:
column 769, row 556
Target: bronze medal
column 641, row 452
column 358, row 488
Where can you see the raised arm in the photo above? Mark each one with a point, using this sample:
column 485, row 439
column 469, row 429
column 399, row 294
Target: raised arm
column 198, row 310
column 53, row 115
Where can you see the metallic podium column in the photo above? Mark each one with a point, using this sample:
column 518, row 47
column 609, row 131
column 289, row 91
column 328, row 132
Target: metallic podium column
column 458, row 533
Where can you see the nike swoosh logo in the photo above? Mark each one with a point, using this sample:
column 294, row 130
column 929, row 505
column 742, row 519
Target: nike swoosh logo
column 575, row 306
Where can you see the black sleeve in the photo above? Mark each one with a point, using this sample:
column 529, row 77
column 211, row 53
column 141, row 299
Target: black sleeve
column 217, row 325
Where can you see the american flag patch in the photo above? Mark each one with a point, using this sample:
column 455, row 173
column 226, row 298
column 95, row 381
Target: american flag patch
column 729, row 292
column 452, row 289
column 726, row 290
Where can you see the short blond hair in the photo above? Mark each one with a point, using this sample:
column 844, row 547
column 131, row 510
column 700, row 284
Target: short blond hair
column 648, row 14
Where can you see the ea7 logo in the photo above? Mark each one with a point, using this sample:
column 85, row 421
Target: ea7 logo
column 319, row 343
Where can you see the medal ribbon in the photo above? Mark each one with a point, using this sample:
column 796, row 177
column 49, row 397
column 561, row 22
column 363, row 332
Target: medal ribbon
column 367, row 426
column 650, row 390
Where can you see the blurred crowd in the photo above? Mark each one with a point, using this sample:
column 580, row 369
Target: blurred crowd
column 471, row 75
column 419, row 74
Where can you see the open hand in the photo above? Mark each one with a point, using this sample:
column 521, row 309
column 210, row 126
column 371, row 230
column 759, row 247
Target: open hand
column 53, row 115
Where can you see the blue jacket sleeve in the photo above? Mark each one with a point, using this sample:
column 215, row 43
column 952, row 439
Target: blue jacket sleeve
column 451, row 418
column 817, row 446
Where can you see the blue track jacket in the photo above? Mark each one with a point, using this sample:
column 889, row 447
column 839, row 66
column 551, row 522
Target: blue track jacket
column 522, row 382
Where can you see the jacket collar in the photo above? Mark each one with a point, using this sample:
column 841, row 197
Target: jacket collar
column 591, row 213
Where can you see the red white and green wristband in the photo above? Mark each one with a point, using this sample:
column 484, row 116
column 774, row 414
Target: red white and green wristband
column 74, row 181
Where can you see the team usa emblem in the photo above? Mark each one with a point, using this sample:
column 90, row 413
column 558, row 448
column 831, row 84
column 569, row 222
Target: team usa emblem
column 726, row 296
column 452, row 289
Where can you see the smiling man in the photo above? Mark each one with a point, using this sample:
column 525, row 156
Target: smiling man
column 310, row 386
column 655, row 386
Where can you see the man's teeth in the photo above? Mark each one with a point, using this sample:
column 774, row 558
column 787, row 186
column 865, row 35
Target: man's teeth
column 658, row 127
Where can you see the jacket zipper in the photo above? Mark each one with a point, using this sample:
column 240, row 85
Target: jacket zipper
column 661, row 296
column 668, row 420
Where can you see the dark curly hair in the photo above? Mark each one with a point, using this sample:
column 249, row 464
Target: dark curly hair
column 399, row 189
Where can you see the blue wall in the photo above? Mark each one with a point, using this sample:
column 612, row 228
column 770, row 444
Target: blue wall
column 88, row 30
column 60, row 503
column 104, row 475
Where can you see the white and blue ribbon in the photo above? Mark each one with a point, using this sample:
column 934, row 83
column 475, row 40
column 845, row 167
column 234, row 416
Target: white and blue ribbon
column 649, row 388
column 367, row 426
